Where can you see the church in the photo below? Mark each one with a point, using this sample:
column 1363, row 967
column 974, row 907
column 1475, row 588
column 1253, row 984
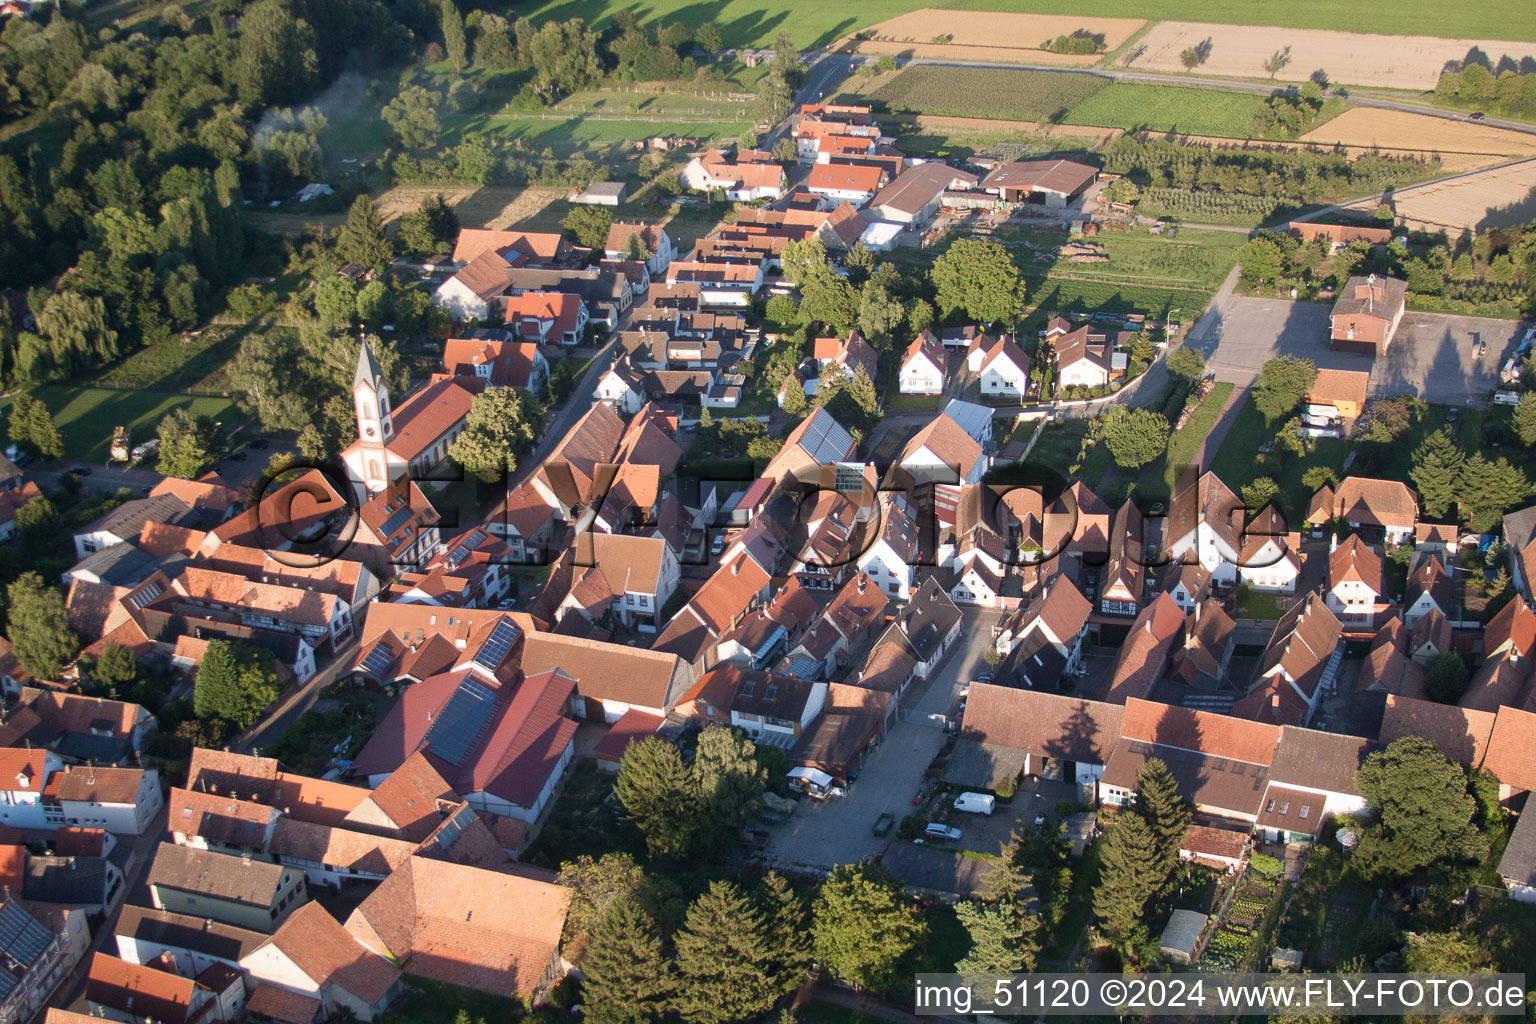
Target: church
column 408, row 439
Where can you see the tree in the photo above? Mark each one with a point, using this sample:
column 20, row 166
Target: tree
column 413, row 116
column 374, row 305
column 1168, row 812
column 920, row 316
column 729, row 783
column 500, row 424
column 1277, row 61
column 115, row 670
column 1445, row 678
column 1424, row 812
column 775, row 96
column 1259, row 493
column 1135, row 436
column 36, row 518
column 361, row 239
column 978, row 276
column 1003, row 937
column 1436, row 472
column 430, row 228
column 785, row 151
column 313, row 445
column 1389, row 418
column 1282, row 384
column 880, row 314
column 596, row 885
column 794, row 396
column 1129, row 875
column 1525, row 418
column 235, row 683
column 1261, row 260
column 454, row 43
column 39, row 629
column 1445, row 953
column 77, row 332
column 277, row 62
column 653, row 786
column 32, row 424
column 187, row 443
column 1488, row 488
column 588, row 225
column 1187, row 362
column 628, row 979
column 564, row 56
column 721, row 980
column 786, row 949
column 1317, row 477
column 781, row 310
column 707, row 36
column 1189, row 58
column 863, row 925
column 335, row 301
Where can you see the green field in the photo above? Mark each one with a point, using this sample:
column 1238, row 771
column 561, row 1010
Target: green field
column 582, row 131
column 985, row 92
column 1168, row 108
column 1159, row 476
column 748, row 22
column 87, row 415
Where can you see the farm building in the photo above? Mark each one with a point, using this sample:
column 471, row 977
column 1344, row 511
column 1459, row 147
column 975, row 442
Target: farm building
column 602, row 193
column 853, row 183
column 1343, row 390
column 913, row 198
column 881, row 236
column 1054, row 183
column 1338, row 234
column 1367, row 313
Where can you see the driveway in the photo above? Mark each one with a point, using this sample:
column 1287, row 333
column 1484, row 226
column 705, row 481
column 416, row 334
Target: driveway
column 825, row 833
column 1430, row 356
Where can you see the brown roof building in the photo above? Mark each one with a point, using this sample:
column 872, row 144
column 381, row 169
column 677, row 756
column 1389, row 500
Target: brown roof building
column 1367, row 313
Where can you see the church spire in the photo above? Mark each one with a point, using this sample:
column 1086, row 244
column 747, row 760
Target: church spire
column 368, row 370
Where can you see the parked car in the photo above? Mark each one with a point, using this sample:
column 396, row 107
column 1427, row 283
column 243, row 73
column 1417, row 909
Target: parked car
column 1452, row 413
column 939, row 830
column 717, row 546
column 985, row 677
column 1476, row 115
column 1039, row 819
column 976, row 803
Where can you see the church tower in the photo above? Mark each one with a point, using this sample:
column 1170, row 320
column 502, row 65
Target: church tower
column 370, row 399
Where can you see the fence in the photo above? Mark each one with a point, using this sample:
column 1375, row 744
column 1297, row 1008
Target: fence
column 118, row 385
column 660, row 117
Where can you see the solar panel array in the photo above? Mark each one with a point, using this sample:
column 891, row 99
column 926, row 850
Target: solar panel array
column 397, row 520
column 496, row 646
column 461, row 721
column 22, row 939
column 151, row 590
column 825, row 440
column 378, row 659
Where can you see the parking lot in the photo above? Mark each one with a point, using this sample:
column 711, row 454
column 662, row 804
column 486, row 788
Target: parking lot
column 1432, row 354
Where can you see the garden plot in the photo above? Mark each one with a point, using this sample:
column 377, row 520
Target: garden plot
column 1397, row 62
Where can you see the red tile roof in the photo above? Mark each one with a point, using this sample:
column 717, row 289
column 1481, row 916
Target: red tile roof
column 328, row 955
column 1187, row 729
column 1459, row 733
column 846, row 178
column 142, row 992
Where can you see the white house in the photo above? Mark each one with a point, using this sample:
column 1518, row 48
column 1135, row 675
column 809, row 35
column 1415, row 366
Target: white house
column 621, row 386
column 923, row 367
column 1205, row 523
column 1354, row 583
column 653, row 237
column 119, row 800
column 849, row 183
column 741, row 182
column 312, row 955
column 889, row 560
column 1271, row 557
column 1005, row 370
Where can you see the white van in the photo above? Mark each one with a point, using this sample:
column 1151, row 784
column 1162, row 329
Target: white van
column 976, row 803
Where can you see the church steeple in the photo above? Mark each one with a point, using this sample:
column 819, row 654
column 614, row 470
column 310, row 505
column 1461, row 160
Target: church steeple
column 370, row 399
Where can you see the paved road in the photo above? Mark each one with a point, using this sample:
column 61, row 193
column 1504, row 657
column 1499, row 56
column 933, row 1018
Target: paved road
column 823, row 834
column 290, row 707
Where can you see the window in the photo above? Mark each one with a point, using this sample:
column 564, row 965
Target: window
column 1269, row 807
column 1306, row 811
column 1285, row 807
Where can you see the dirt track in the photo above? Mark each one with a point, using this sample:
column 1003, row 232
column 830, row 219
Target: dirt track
column 991, row 35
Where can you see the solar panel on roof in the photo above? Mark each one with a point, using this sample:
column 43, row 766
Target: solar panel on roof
column 151, row 591
column 22, row 938
column 496, row 646
column 460, row 721
column 396, row 521
column 378, row 659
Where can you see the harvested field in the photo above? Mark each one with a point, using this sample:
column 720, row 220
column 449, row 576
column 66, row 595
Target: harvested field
column 1398, row 62
column 1498, row 197
column 958, row 126
column 478, row 206
column 1369, row 126
column 995, row 30
column 952, row 51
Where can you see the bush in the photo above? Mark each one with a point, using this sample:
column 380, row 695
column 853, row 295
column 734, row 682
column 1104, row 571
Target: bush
column 1265, row 866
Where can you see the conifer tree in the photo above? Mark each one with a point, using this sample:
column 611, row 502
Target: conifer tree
column 1003, row 937
column 786, row 927
column 1167, row 812
column 1128, row 875
column 721, row 979
column 628, row 979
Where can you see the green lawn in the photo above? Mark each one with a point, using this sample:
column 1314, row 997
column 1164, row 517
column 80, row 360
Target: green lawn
column 985, row 92
column 172, row 365
column 1238, row 464
column 581, row 130
column 1159, row 476
column 1168, row 108
column 86, row 415
column 747, row 22
column 436, row 1002
column 899, row 403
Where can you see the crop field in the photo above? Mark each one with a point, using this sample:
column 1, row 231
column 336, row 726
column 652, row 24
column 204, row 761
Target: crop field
column 1168, row 108
column 986, row 92
column 1388, row 61
column 1450, row 162
column 816, row 23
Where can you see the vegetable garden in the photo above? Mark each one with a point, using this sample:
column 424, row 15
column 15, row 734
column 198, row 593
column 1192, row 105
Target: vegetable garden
column 1246, row 922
